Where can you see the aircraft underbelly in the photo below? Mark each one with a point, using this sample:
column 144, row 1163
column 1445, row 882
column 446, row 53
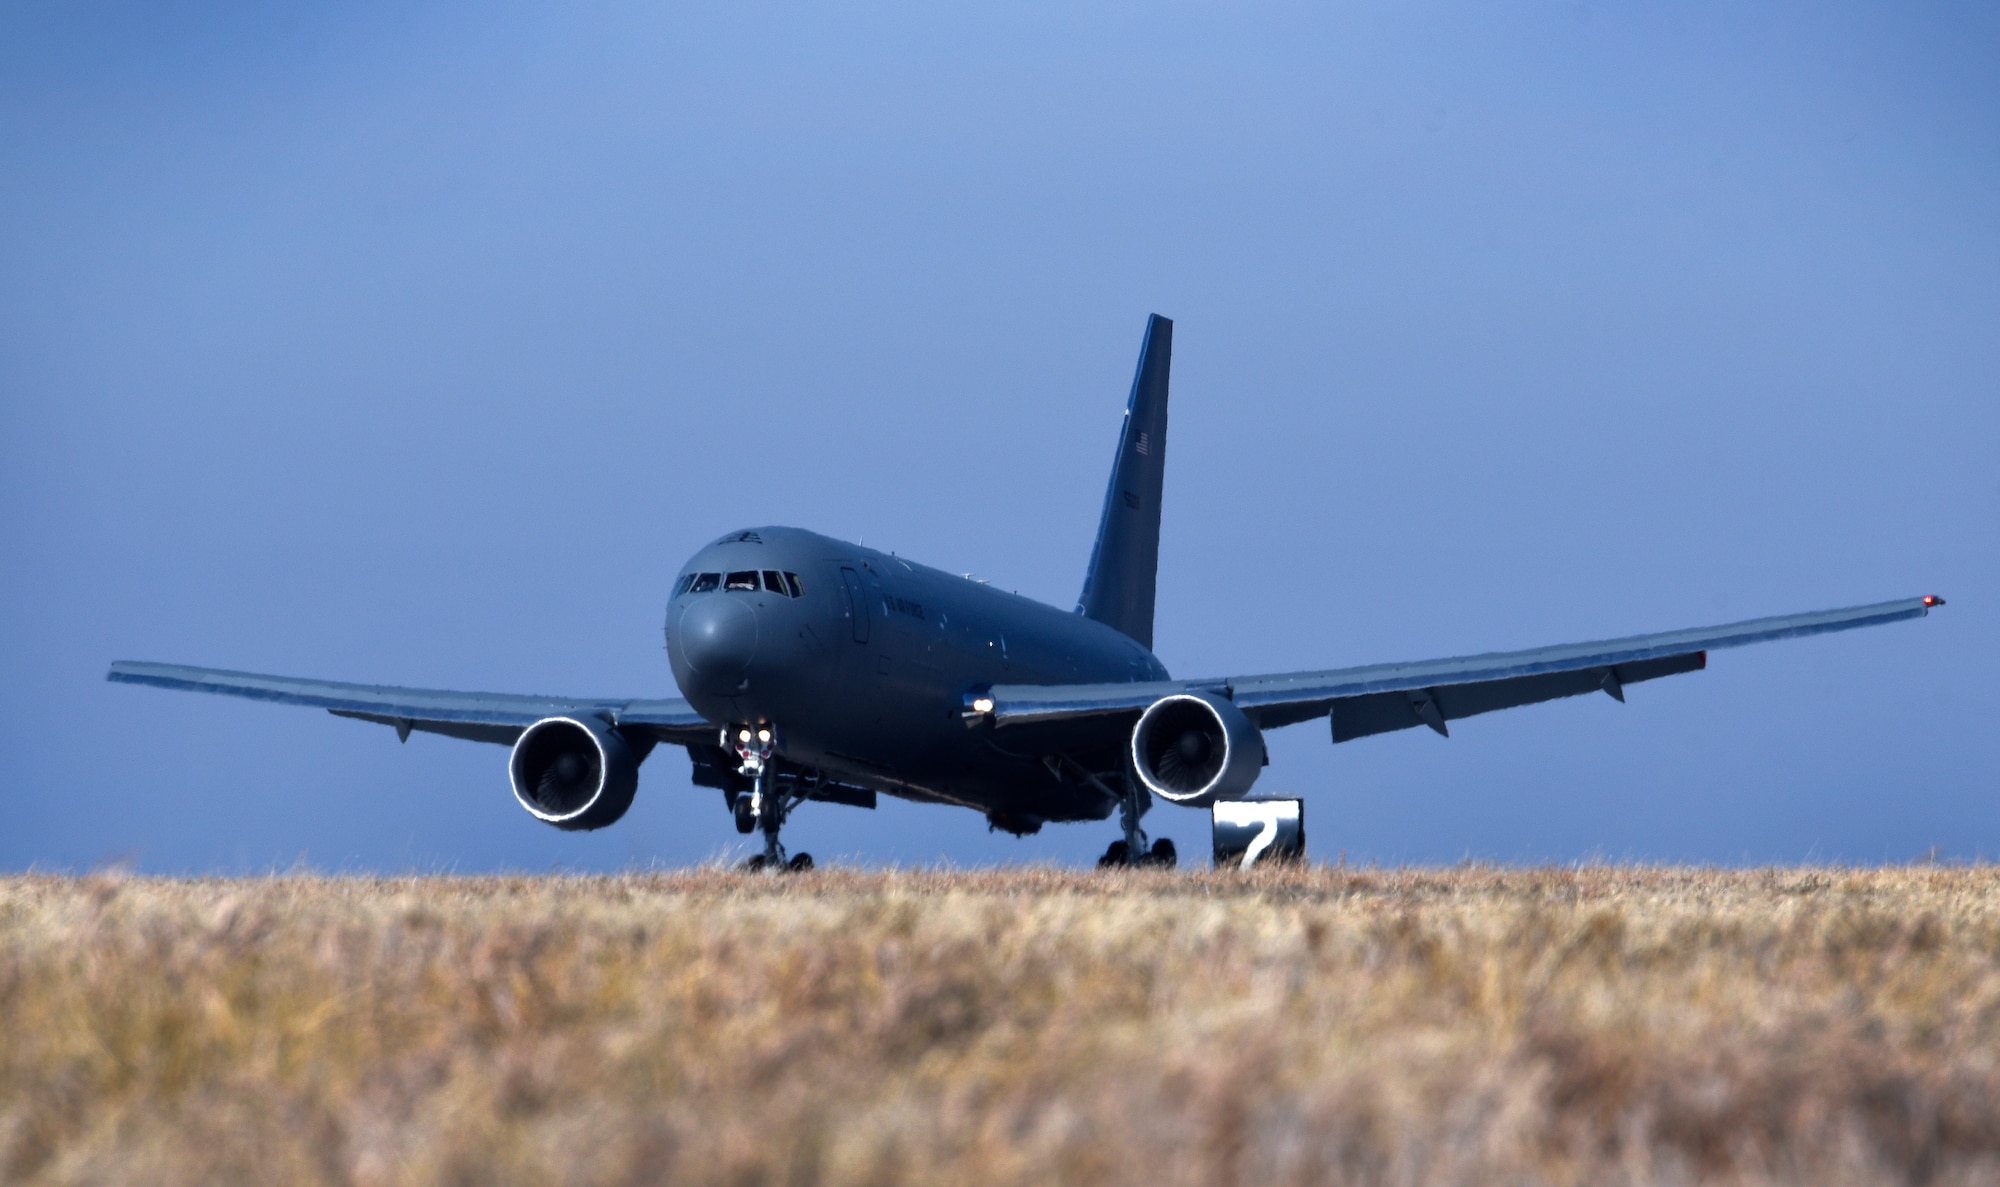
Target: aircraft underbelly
column 903, row 733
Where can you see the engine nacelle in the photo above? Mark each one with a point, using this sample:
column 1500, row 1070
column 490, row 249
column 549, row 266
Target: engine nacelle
column 573, row 772
column 1195, row 748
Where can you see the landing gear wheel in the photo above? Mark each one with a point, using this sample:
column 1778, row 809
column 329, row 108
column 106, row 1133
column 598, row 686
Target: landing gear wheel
column 1163, row 854
column 746, row 820
column 1118, row 855
column 800, row 863
column 752, row 864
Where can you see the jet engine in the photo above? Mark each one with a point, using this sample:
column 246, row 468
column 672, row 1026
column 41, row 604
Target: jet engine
column 1195, row 748
column 573, row 772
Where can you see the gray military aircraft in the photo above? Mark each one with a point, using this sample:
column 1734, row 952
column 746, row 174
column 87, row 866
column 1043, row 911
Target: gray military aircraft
column 814, row 669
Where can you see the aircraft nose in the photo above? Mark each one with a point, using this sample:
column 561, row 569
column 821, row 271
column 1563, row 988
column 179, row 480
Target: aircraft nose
column 718, row 635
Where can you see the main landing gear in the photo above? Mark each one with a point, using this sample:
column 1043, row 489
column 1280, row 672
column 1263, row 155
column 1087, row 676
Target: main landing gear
column 764, row 809
column 1131, row 850
column 1162, row 854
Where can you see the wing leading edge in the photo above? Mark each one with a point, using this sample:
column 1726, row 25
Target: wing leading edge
column 477, row 716
column 1384, row 697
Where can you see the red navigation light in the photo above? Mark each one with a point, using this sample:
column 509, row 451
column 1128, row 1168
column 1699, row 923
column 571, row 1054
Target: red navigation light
column 1933, row 600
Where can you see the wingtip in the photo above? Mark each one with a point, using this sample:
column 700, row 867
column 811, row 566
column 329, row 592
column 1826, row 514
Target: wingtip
column 1931, row 600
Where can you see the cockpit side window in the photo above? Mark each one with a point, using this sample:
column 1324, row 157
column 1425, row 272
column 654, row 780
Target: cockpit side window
column 703, row 582
column 747, row 579
column 681, row 586
column 775, row 582
column 792, row 585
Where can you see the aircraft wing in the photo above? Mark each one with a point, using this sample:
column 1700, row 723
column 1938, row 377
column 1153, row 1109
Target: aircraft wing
column 478, row 716
column 1384, row 697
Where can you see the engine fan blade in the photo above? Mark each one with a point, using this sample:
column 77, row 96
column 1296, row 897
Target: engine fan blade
column 564, row 778
column 1188, row 762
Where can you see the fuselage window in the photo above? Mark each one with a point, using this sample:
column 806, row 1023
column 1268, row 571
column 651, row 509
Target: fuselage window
column 775, row 582
column 703, row 582
column 744, row 580
column 792, row 585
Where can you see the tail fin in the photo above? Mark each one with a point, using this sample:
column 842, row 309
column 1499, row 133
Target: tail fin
column 1118, row 589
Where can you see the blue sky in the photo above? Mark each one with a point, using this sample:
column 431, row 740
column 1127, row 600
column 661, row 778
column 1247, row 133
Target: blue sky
column 421, row 344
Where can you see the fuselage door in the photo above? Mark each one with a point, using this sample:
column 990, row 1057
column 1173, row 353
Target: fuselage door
column 857, row 603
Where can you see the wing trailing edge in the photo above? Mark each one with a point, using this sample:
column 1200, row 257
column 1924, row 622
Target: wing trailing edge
column 1378, row 698
column 1383, row 712
column 475, row 716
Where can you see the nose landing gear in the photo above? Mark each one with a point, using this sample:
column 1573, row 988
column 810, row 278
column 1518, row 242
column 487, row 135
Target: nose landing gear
column 764, row 808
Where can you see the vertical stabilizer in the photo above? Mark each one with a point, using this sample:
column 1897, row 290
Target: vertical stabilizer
column 1118, row 588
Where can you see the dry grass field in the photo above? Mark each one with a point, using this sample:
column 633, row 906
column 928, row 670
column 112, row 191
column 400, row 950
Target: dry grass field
column 1600, row 1025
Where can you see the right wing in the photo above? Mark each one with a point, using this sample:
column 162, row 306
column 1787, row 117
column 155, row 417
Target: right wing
column 477, row 716
column 1383, row 697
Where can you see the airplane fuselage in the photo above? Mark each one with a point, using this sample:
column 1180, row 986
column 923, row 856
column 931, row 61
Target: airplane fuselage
column 865, row 671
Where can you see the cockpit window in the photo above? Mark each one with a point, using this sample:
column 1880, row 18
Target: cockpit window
column 785, row 585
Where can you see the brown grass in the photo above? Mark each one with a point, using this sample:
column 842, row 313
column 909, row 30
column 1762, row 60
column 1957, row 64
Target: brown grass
column 1601, row 1025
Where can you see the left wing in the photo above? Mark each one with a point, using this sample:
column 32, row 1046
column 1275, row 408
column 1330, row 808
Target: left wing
column 1384, row 697
column 478, row 716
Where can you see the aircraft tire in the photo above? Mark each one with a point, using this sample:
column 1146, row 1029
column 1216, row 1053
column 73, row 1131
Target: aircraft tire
column 752, row 864
column 1116, row 856
column 800, row 863
column 746, row 820
column 1164, row 854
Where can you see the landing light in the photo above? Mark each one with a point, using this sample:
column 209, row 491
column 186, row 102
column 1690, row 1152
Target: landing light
column 763, row 735
column 983, row 705
column 743, row 735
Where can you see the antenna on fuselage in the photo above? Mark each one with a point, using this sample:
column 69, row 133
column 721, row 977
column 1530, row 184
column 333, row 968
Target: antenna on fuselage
column 1125, row 561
